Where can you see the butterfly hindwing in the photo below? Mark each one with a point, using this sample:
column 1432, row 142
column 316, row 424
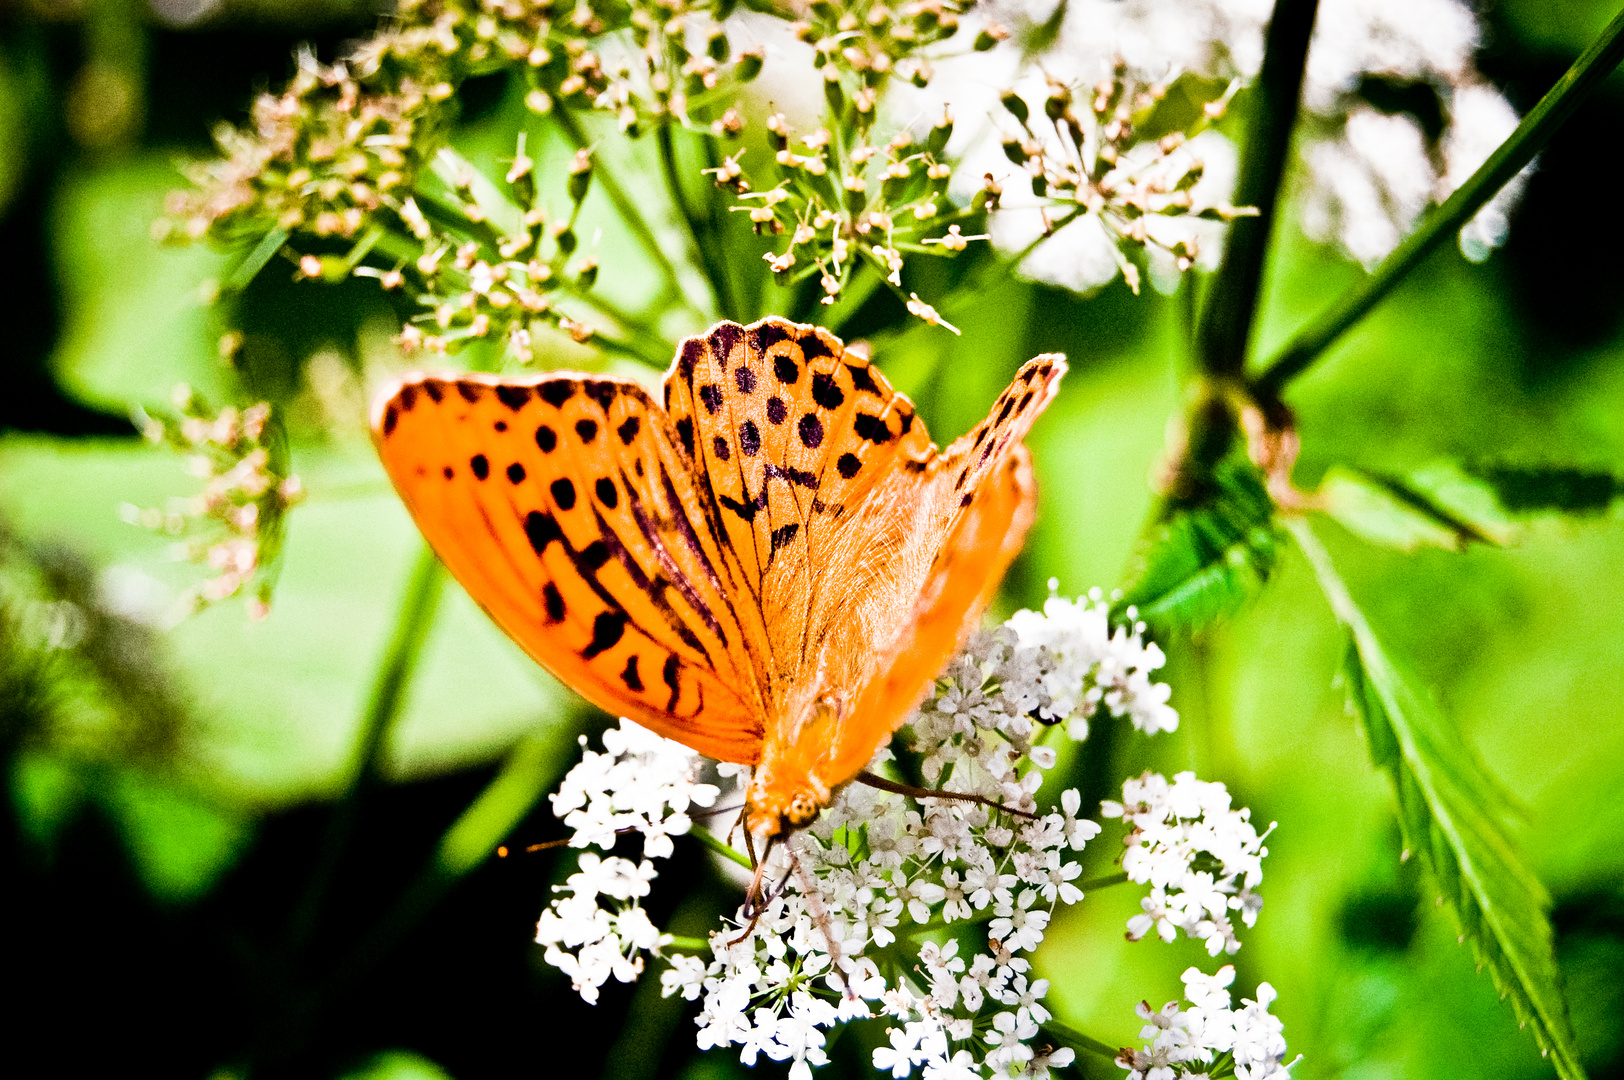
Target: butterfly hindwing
column 564, row 506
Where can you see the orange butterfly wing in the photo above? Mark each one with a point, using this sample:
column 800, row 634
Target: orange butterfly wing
column 867, row 554
column 565, row 507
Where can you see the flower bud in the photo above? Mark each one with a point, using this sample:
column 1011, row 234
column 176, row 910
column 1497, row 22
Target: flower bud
column 1016, row 106
column 749, row 64
column 580, row 175
column 943, row 131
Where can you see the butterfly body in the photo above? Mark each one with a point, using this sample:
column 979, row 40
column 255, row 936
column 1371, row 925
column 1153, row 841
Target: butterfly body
column 769, row 566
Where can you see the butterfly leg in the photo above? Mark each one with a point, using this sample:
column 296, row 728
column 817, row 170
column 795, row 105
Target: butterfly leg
column 866, row 777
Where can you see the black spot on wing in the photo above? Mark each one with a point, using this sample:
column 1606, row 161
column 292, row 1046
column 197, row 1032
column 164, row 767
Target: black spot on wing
column 871, row 428
column 746, row 510
column 685, row 432
column 546, row 438
column 500, row 425
column 447, row 472
column 848, row 465
column 692, row 350
column 776, row 410
column 515, row 473
column 481, row 467
column 563, row 493
column 601, row 391
column 782, row 536
column 862, row 379
column 723, row 337
column 556, row 392
column 825, row 392
column 407, row 397
column 606, row 492
column 810, row 431
column 607, row 630
column 813, row 346
column 669, row 676
column 514, row 397
column 745, row 380
column 587, row 430
column 553, row 601
column 796, row 476
column 595, row 555
column 721, row 448
column 749, row 438
column 471, row 392
column 785, row 368
column 629, row 675
column 1003, row 414
column 769, row 334
column 711, row 397
column 628, row 430
column 390, row 418
column 542, row 529
column 435, row 389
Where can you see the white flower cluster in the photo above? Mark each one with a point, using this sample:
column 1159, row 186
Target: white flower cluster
column 643, row 784
column 1201, row 858
column 1372, row 172
column 869, row 913
column 1210, row 1032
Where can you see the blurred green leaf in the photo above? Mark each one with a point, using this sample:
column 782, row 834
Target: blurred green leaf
column 1207, row 554
column 1400, row 513
column 398, row 1065
column 1450, row 811
column 1536, row 489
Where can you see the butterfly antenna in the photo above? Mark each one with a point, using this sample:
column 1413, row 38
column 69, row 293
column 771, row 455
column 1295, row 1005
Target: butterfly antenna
column 820, row 917
column 866, row 777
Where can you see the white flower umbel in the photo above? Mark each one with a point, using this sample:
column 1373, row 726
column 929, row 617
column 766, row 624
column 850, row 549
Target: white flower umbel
column 640, row 783
column 1247, row 1040
column 865, row 908
column 1201, row 859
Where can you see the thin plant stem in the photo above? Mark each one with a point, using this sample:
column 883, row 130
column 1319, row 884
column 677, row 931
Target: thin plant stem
column 1077, row 1040
column 389, row 686
column 1102, row 882
column 704, row 244
column 627, row 209
column 709, row 839
column 1553, row 110
column 1231, row 307
column 692, row 944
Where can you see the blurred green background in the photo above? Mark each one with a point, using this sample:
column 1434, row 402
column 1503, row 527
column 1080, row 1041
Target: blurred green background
column 169, row 789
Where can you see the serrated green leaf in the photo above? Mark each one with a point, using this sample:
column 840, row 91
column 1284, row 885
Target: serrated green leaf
column 1375, row 512
column 1450, row 810
column 1549, row 488
column 1207, row 555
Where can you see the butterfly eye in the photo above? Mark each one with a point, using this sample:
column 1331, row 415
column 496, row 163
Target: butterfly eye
column 802, row 809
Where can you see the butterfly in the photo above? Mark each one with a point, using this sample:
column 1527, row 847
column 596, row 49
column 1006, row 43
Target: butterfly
column 770, row 565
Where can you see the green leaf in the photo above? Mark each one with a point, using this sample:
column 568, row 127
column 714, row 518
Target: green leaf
column 1549, row 488
column 1451, row 812
column 1207, row 554
column 1437, row 507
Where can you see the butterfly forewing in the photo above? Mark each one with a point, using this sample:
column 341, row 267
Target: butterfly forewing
column 791, row 433
column 564, row 506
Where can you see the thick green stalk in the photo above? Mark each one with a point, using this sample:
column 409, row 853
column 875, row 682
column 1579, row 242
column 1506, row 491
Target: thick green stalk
column 1531, row 135
column 705, row 245
column 1231, row 308
column 388, row 693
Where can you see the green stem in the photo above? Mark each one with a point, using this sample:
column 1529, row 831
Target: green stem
column 688, row 944
column 1076, row 1039
column 705, row 245
column 708, row 839
column 1102, row 882
column 1232, row 306
column 626, row 208
column 1554, row 109
column 388, row 693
